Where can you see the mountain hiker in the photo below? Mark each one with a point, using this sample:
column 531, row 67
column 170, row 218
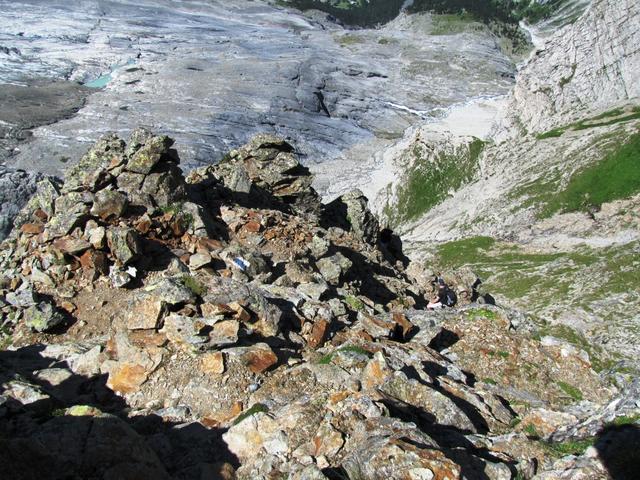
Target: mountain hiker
column 445, row 297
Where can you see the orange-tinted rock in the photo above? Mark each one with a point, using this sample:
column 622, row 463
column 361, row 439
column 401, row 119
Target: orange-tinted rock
column 96, row 261
column 68, row 306
column 146, row 314
column 252, row 226
column 72, row 246
column 179, row 226
column 212, row 363
column 209, row 245
column 241, row 314
column 147, row 338
column 41, row 215
column 224, row 333
column 545, row 422
column 223, row 416
column 260, row 359
column 338, row 396
column 328, row 441
column 318, row 333
column 127, row 378
column 32, row 228
column 375, row 373
column 405, row 327
column 213, row 309
column 143, row 226
column 378, row 327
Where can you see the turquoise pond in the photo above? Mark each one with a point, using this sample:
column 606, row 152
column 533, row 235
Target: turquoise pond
column 103, row 80
column 99, row 82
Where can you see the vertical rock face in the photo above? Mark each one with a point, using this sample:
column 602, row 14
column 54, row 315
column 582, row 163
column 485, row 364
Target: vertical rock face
column 16, row 186
column 585, row 67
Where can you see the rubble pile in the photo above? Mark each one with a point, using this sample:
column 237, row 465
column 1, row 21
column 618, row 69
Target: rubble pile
column 230, row 325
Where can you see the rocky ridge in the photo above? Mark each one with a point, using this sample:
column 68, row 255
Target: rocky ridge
column 227, row 324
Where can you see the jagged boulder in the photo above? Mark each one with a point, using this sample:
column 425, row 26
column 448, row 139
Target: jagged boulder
column 270, row 164
column 43, row 317
column 92, row 172
column 108, row 203
column 124, row 244
column 352, row 212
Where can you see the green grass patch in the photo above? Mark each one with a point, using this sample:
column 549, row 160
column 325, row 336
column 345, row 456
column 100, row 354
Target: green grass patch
column 466, row 251
column 355, row 303
column 531, row 431
column 615, row 177
column 625, row 420
column 565, row 80
column 483, row 313
column 256, row 408
column 570, row 390
column 489, row 381
column 611, row 117
column 354, row 349
column 499, row 353
column 574, row 447
column 350, row 39
column 177, row 210
column 583, row 125
column 5, row 342
column 429, row 182
column 451, row 24
column 556, row 132
column 194, row 285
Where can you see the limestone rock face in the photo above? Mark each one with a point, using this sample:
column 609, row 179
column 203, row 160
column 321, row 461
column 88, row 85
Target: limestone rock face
column 585, row 67
column 16, row 187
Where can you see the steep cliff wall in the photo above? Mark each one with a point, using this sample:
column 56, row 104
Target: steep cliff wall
column 585, row 67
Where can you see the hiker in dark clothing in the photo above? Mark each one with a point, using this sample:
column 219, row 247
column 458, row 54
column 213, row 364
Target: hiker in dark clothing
column 445, row 297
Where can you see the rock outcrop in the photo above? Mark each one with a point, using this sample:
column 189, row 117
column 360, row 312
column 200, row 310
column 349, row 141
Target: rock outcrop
column 228, row 325
column 16, row 187
column 585, row 68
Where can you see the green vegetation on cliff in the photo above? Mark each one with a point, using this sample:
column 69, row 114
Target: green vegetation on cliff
column 371, row 12
column 603, row 120
column 508, row 11
column 430, row 181
column 615, row 177
column 355, row 12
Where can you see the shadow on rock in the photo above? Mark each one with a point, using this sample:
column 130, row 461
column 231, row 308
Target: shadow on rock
column 619, row 450
column 56, row 424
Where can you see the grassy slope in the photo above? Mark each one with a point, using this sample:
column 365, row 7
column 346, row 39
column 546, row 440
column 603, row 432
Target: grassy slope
column 600, row 282
column 429, row 181
column 614, row 175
